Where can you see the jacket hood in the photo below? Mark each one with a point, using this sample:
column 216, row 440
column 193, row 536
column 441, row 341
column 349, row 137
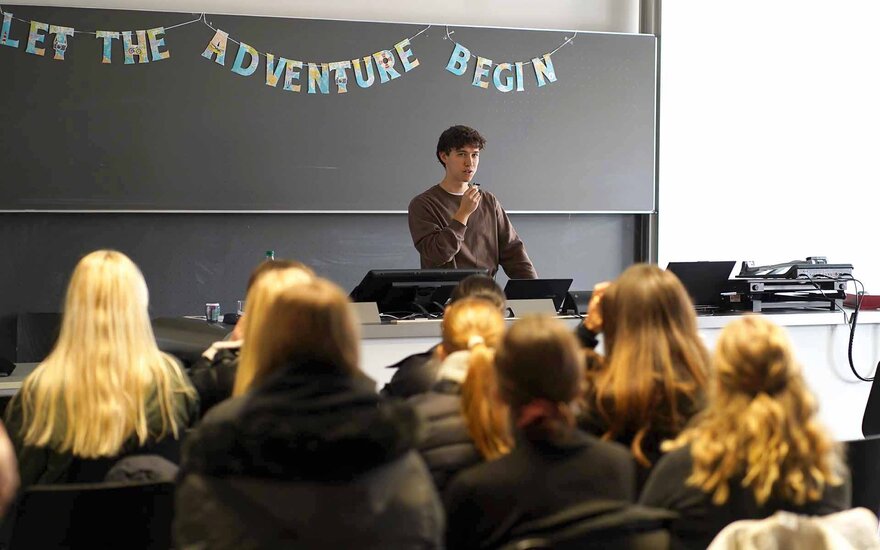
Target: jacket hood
column 308, row 422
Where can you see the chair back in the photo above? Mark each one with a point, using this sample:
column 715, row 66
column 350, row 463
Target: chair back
column 595, row 525
column 95, row 515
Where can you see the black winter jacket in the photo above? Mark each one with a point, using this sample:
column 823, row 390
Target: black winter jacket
column 307, row 460
column 213, row 373
column 447, row 446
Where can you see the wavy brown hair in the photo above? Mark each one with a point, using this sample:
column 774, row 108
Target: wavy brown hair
column 655, row 367
column 476, row 324
column 760, row 422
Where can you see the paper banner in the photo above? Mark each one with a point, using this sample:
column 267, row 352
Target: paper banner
column 321, row 77
column 501, row 76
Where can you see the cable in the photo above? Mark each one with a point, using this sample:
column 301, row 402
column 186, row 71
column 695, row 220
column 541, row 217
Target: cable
column 853, row 319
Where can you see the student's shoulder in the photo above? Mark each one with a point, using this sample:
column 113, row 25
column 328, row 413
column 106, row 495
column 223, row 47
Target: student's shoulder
column 428, row 195
column 497, row 475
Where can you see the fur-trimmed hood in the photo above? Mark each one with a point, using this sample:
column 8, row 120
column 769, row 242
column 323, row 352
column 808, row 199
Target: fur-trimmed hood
column 308, row 422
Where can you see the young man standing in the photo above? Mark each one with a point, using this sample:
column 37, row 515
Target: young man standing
column 456, row 225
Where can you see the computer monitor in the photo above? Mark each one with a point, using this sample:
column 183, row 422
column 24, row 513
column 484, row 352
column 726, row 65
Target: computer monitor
column 535, row 289
column 422, row 291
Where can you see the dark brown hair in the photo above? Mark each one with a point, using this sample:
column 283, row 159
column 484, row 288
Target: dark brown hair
column 457, row 137
column 539, row 360
column 479, row 286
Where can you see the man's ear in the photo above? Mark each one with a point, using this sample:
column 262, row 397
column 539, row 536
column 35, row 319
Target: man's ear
column 440, row 352
column 444, row 157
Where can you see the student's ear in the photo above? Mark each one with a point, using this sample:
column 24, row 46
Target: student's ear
column 440, row 352
column 444, row 157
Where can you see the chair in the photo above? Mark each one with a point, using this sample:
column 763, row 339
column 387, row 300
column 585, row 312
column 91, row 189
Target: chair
column 863, row 457
column 95, row 515
column 595, row 525
column 35, row 336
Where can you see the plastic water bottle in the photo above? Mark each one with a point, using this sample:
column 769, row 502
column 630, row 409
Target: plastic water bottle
column 270, row 255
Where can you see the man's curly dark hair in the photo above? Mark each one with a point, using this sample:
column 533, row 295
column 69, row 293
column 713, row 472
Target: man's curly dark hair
column 457, row 137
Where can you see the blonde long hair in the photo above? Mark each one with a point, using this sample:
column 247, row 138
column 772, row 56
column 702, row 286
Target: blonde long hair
column 760, row 422
column 476, row 324
column 94, row 390
column 655, row 361
column 256, row 361
column 304, row 322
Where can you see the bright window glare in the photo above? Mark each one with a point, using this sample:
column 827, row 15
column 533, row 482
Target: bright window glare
column 769, row 121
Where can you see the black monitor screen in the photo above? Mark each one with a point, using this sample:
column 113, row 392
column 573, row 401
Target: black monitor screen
column 410, row 290
column 535, row 289
column 704, row 281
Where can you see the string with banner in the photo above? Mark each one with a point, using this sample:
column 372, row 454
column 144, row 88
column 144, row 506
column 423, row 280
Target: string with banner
column 544, row 71
column 319, row 74
column 149, row 45
column 146, row 45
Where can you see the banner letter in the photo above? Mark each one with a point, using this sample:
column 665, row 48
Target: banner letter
column 338, row 68
column 544, row 68
column 108, row 37
column 404, row 54
column 358, row 75
column 60, row 42
column 217, row 46
column 496, row 78
column 138, row 48
column 481, row 71
column 4, row 33
column 238, row 67
column 36, row 36
column 320, row 77
column 519, row 76
column 458, row 61
column 291, row 75
column 157, row 42
column 273, row 74
column 385, row 66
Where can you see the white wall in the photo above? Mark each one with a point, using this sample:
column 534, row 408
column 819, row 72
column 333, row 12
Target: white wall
column 769, row 125
column 592, row 15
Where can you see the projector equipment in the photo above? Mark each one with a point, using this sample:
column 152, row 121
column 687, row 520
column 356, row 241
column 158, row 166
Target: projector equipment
column 812, row 285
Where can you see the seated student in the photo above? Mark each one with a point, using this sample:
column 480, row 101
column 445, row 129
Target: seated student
column 755, row 450
column 417, row 373
column 554, row 465
column 464, row 424
column 105, row 391
column 213, row 374
column 307, row 455
column 652, row 378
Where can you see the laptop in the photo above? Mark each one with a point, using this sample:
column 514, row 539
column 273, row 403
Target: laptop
column 704, row 281
column 536, row 289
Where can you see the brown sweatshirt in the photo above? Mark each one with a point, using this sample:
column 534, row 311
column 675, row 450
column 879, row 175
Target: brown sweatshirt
column 487, row 240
